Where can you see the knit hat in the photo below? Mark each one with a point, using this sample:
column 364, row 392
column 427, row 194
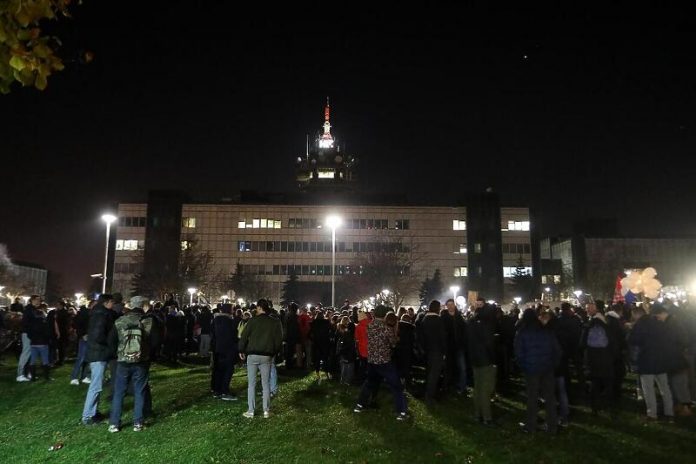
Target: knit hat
column 137, row 302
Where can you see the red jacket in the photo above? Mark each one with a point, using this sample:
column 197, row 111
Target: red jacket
column 361, row 337
column 304, row 321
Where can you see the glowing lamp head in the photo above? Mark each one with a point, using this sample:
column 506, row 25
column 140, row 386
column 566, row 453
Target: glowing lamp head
column 192, row 290
column 517, row 299
column 577, row 293
column 108, row 218
column 454, row 288
column 334, row 221
column 386, row 292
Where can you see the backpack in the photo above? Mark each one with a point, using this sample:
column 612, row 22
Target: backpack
column 130, row 343
column 597, row 337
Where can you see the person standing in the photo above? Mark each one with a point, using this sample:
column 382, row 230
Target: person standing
column 80, row 323
column 381, row 340
column 599, row 348
column 130, row 338
column 293, row 352
column 205, row 321
column 261, row 340
column 40, row 335
column 319, row 334
column 24, row 358
column 455, row 328
column 361, row 342
column 305, row 321
column 99, row 353
column 225, row 352
column 537, row 353
column 433, row 339
column 481, row 346
column 406, row 332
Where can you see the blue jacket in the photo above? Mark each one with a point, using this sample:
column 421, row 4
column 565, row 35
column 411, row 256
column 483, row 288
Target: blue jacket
column 536, row 350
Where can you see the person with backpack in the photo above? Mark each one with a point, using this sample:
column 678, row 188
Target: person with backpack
column 599, row 355
column 131, row 337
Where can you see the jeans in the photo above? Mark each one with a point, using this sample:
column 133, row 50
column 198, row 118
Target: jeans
column 434, row 363
column 484, row 386
column 95, row 388
column 204, row 346
column 274, row 377
column 256, row 363
column 648, row 383
column 78, row 368
column 125, row 372
column 223, row 369
column 25, row 356
column 375, row 374
column 563, row 406
column 347, row 371
column 544, row 383
column 39, row 351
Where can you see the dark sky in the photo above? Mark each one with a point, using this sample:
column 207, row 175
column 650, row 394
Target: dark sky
column 579, row 113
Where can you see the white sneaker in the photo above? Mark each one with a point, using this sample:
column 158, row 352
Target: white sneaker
column 266, row 414
column 248, row 415
column 74, row 382
column 86, row 380
column 114, row 429
column 23, row 378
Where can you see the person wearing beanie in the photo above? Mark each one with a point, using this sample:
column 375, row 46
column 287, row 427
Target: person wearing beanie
column 381, row 339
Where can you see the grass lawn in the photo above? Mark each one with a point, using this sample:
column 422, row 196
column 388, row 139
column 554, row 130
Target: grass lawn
column 311, row 423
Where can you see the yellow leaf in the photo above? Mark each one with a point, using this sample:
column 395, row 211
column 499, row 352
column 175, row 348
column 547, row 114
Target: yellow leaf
column 17, row 63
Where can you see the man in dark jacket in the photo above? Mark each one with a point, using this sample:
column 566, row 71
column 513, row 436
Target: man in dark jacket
column 651, row 337
column 537, row 352
column 261, row 340
column 205, row 321
column 17, row 306
column 599, row 346
column 481, row 345
column 27, row 316
column 99, row 353
column 225, row 352
column 433, row 339
column 676, row 350
column 568, row 328
column 40, row 334
column 455, row 327
column 403, row 354
column 80, row 323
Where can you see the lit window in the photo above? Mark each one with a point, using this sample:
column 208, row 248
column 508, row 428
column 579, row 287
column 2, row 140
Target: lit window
column 264, row 223
column 277, row 224
column 461, row 271
column 556, row 279
column 255, row 223
column 518, row 225
column 477, row 248
column 511, row 271
column 130, row 245
column 458, row 225
column 185, row 245
column 241, row 225
column 189, row 222
column 119, row 244
column 328, row 174
column 462, row 249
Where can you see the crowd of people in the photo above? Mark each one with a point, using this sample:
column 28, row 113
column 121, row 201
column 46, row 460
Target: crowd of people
column 565, row 355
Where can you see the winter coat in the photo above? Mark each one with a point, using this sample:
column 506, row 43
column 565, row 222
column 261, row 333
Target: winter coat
column 678, row 343
column 536, row 350
column 481, row 341
column 650, row 336
column 320, row 332
column 80, row 322
column 205, row 320
column 118, row 334
column 361, row 337
column 455, row 328
column 292, row 329
column 432, row 334
column 568, row 328
column 262, row 335
column 224, row 334
column 27, row 315
column 101, row 321
column 40, row 330
column 600, row 361
column 304, row 322
column 345, row 345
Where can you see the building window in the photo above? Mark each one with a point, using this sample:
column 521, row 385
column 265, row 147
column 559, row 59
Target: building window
column 511, row 271
column 241, row 225
column 458, row 225
column 556, row 279
column 185, row 245
column 461, row 271
column 477, row 248
column 189, row 222
column 402, row 224
column 518, row 225
column 255, row 223
column 128, row 245
column 461, row 250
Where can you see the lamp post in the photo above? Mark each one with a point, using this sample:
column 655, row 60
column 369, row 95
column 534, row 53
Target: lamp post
column 454, row 289
column 108, row 219
column 517, row 300
column 191, row 291
column 333, row 221
column 78, row 297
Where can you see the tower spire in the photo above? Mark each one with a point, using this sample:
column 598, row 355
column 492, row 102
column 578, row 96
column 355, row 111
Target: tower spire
column 326, row 140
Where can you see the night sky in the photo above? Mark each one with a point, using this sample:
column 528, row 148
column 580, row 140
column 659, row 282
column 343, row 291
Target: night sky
column 577, row 113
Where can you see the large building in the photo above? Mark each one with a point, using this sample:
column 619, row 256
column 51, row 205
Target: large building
column 475, row 243
column 23, row 279
column 592, row 263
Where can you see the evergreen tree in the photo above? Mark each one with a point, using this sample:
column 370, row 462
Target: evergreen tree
column 291, row 290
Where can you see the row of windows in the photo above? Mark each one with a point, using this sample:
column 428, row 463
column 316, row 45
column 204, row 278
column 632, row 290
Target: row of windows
column 128, row 268
column 320, row 247
column 551, row 279
column 517, row 248
column 461, row 271
column 130, row 245
column 511, row 271
column 517, row 225
column 131, row 221
column 260, row 224
column 356, row 224
column 304, row 269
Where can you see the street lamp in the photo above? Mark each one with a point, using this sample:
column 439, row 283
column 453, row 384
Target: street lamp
column 333, row 221
column 547, row 289
column 454, row 289
column 518, row 300
column 191, row 291
column 577, row 293
column 108, row 218
column 78, row 297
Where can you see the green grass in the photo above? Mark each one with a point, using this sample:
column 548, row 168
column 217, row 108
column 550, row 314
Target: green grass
column 311, row 423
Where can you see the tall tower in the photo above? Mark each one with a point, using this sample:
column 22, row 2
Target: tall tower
column 324, row 167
